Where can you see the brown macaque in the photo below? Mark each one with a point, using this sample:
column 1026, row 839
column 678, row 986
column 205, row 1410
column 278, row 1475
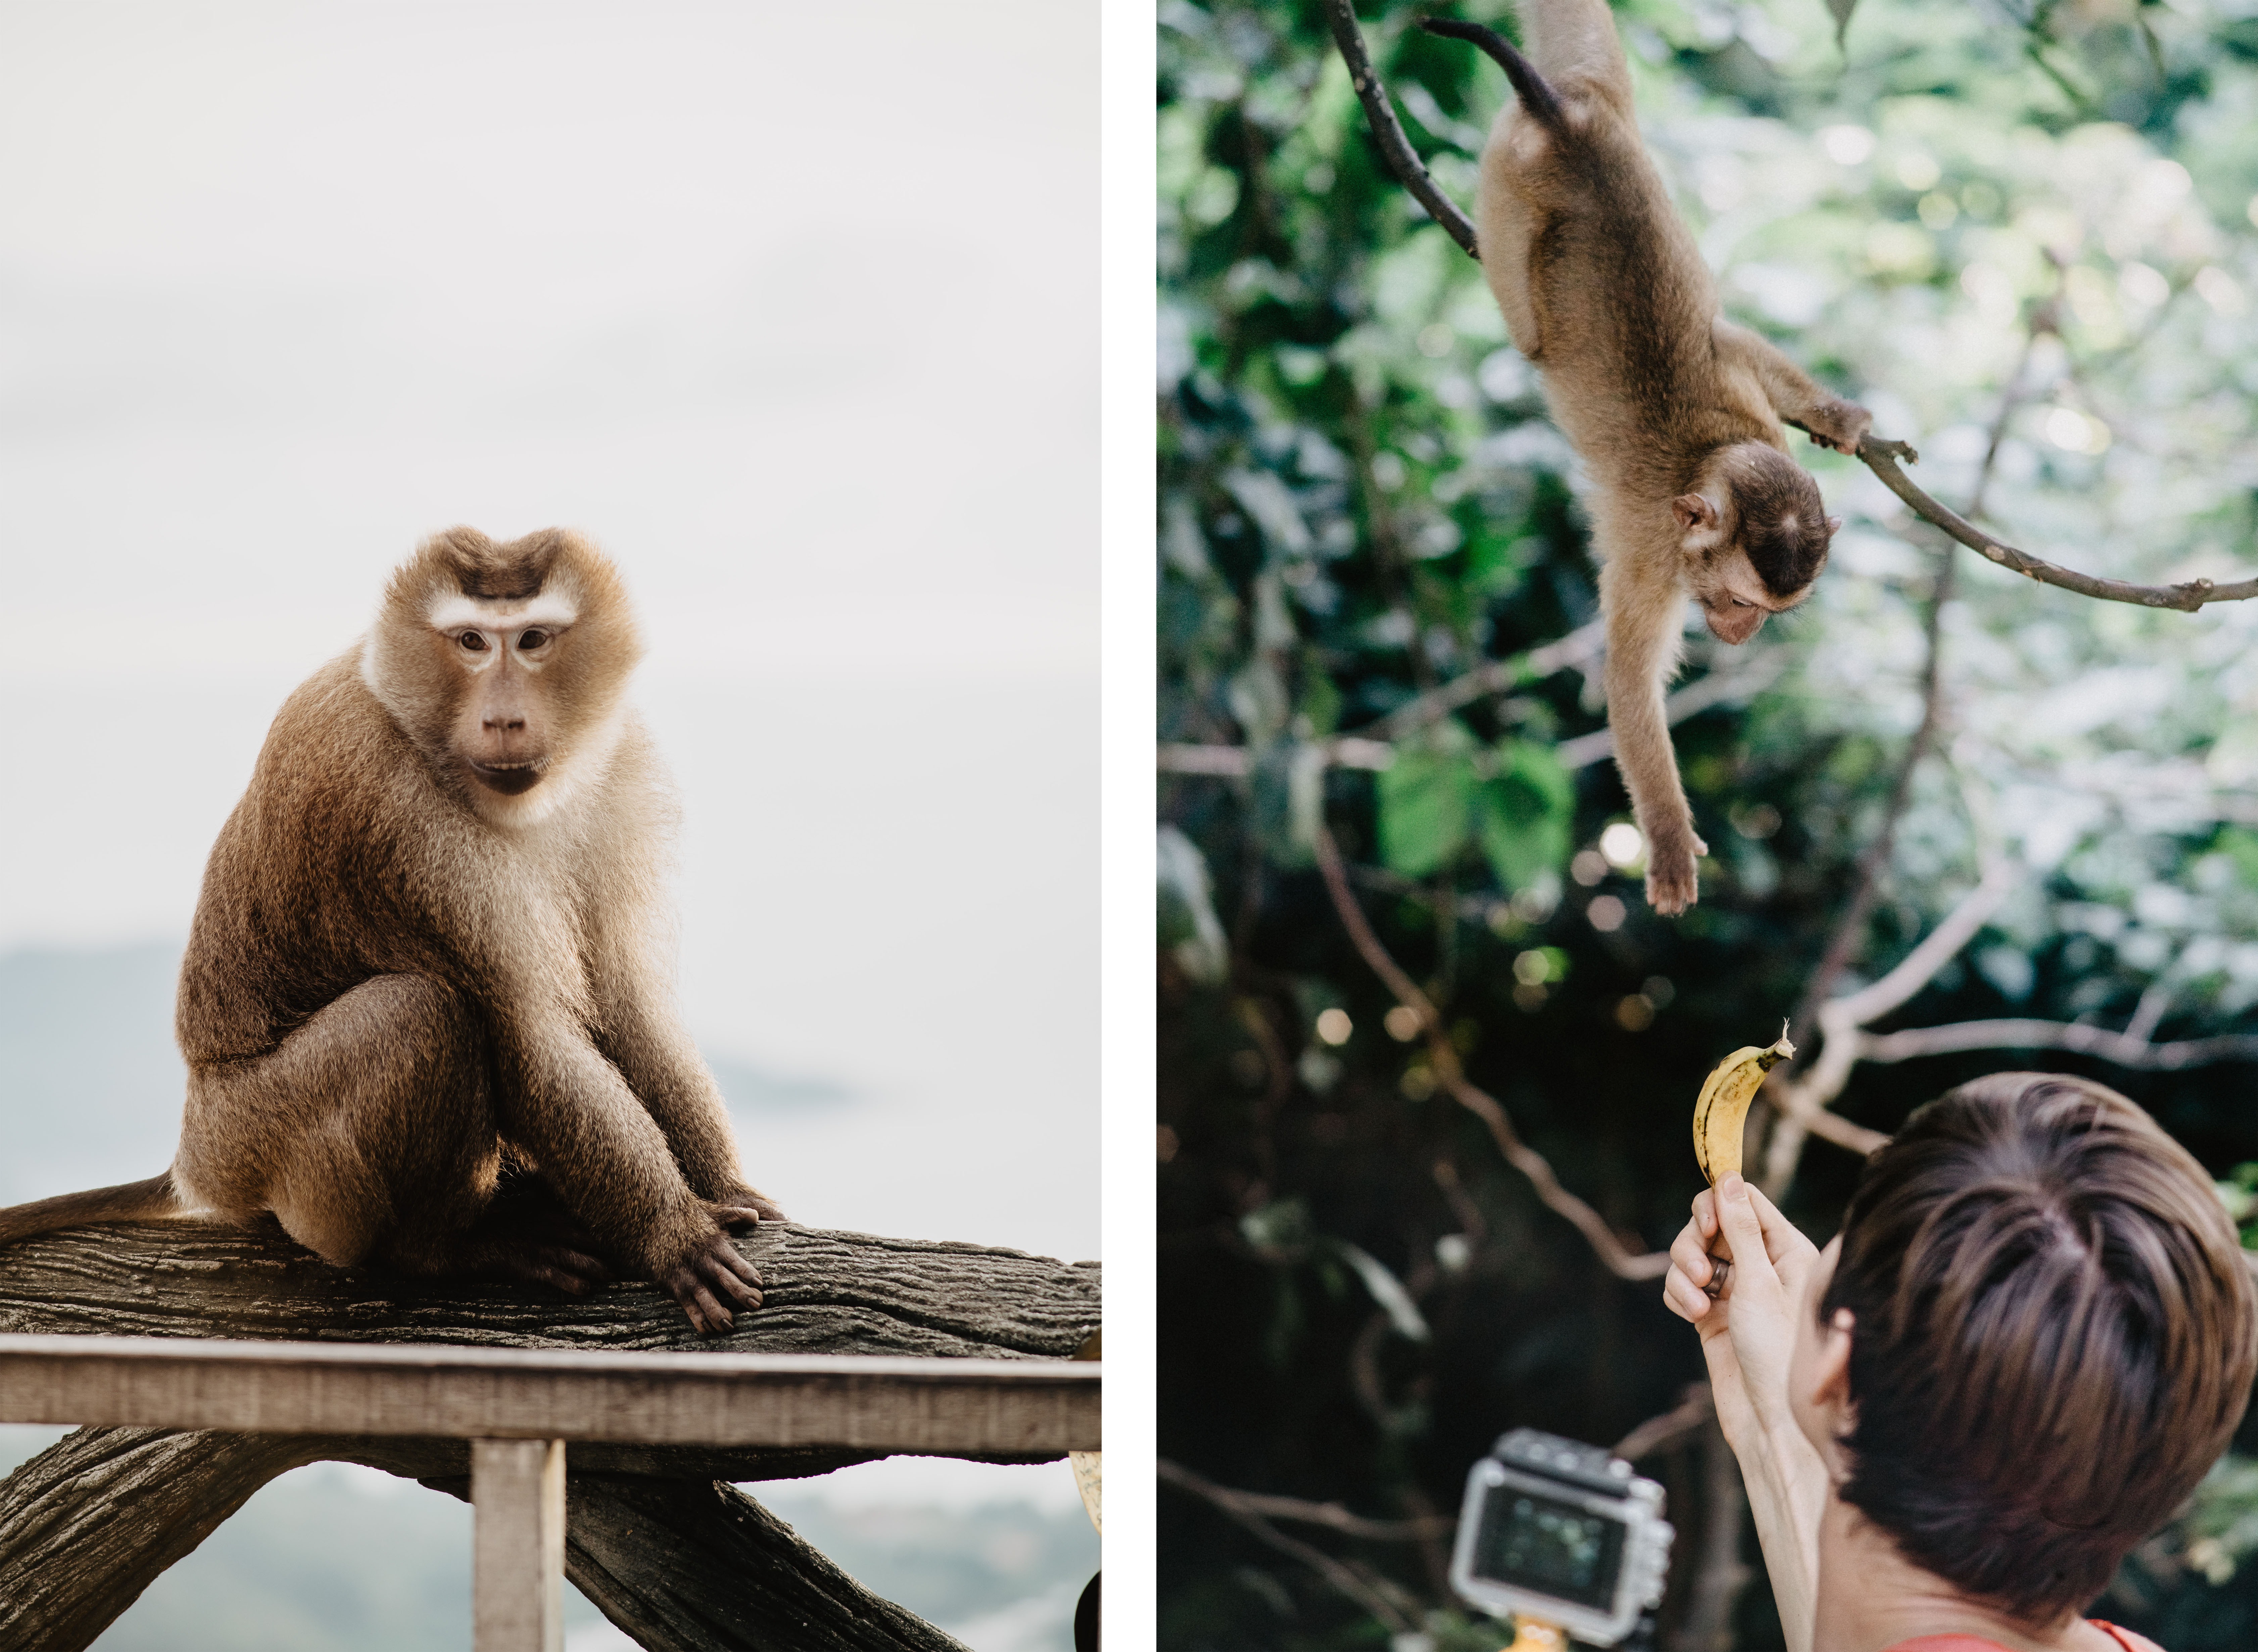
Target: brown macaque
column 1675, row 411
column 428, row 1004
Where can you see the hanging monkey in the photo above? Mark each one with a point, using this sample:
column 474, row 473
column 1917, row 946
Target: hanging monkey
column 1675, row 411
column 426, row 1005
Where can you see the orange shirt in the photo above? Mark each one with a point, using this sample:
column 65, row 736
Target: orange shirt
column 2125, row 1638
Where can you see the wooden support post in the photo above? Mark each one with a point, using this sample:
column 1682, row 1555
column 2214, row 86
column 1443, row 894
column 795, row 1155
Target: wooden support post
column 517, row 1571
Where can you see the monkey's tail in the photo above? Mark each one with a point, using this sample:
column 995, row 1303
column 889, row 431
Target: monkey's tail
column 128, row 1201
column 1535, row 94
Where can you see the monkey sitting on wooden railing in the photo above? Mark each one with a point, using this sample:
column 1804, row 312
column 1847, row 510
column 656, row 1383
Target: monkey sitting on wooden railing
column 427, row 1006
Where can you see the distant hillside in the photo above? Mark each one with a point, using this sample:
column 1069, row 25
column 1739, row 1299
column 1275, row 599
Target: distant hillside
column 91, row 1085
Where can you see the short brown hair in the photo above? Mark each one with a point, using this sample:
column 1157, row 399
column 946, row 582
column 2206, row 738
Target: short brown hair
column 2054, row 1338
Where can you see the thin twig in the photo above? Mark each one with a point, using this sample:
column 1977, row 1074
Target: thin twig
column 1342, row 1579
column 1583, row 643
column 1881, row 458
column 1879, row 455
column 1395, row 148
column 1269, row 1506
column 2124, row 1049
column 1362, row 751
column 1442, row 1056
column 1696, row 1408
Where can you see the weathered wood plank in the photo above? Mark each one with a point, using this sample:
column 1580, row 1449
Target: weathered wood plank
column 517, row 1546
column 859, row 1401
column 827, row 1293
column 86, row 1526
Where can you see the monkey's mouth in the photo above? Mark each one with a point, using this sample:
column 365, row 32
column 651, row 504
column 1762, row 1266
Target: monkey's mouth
column 509, row 778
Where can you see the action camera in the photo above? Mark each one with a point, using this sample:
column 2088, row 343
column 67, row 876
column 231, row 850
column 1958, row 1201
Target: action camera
column 1560, row 1531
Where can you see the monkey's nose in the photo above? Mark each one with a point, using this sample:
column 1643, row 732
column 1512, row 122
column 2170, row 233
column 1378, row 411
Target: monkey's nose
column 504, row 725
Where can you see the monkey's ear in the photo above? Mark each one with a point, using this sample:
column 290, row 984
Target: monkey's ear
column 1834, row 526
column 1693, row 510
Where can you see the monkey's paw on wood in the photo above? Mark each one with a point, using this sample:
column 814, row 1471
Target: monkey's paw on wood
column 1671, row 882
column 713, row 1283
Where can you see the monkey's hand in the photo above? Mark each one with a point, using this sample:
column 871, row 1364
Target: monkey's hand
column 742, row 1209
column 1672, row 884
column 713, row 1284
column 1841, row 425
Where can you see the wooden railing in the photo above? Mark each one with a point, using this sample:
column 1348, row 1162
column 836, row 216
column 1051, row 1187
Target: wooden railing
column 598, row 1439
column 521, row 1409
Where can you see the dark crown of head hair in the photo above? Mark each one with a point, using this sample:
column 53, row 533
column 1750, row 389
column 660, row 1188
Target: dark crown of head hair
column 1783, row 520
column 2053, row 1337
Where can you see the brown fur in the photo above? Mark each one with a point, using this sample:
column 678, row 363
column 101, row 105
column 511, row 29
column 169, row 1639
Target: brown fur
column 1675, row 412
column 414, row 981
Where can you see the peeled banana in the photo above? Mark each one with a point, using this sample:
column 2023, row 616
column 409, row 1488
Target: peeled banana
column 1723, row 1107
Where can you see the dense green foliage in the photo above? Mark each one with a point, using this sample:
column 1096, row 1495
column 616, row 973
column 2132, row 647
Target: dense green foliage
column 1964, row 213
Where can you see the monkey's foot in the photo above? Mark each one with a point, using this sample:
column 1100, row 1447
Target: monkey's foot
column 713, row 1284
column 538, row 1261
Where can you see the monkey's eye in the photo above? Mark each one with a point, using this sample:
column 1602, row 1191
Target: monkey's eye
column 473, row 641
column 532, row 639
column 1738, row 604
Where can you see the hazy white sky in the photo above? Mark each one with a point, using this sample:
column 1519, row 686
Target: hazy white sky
column 793, row 309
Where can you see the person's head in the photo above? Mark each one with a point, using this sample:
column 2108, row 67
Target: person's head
column 2038, row 1333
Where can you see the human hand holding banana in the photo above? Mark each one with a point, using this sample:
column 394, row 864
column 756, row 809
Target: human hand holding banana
column 1720, row 1116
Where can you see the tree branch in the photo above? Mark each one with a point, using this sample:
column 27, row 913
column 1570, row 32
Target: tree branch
column 1697, row 1408
column 1613, row 1253
column 2125, row 1049
column 1879, row 455
column 1234, row 1504
column 1330, row 1515
column 1387, row 131
column 1881, row 458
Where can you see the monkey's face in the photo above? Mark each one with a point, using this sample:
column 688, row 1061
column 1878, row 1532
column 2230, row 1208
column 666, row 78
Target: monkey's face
column 505, row 723
column 1755, row 538
column 1734, row 604
column 503, row 663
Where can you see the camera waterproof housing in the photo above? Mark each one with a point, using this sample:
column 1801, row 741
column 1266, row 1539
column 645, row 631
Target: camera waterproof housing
column 1560, row 1531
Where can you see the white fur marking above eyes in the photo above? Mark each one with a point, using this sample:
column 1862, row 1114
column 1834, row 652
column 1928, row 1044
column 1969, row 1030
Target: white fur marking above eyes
column 457, row 613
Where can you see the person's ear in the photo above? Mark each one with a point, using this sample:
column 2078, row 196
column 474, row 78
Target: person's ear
column 1830, row 1393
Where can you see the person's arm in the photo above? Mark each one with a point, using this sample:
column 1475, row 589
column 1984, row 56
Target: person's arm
column 1747, row 1337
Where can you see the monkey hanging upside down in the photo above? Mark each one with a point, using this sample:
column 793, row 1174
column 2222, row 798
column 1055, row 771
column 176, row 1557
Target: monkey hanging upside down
column 1675, row 411
column 428, row 1006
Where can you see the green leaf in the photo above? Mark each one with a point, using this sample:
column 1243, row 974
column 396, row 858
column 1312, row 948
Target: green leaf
column 1526, row 814
column 1426, row 806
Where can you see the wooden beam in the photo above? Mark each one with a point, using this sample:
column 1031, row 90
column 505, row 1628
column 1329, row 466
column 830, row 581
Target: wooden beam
column 517, row 1546
column 872, row 1403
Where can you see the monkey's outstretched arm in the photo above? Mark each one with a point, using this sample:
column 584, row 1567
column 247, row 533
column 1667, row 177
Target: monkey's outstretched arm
column 1643, row 613
column 1832, row 420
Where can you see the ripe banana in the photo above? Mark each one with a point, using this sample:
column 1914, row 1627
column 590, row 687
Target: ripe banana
column 1723, row 1107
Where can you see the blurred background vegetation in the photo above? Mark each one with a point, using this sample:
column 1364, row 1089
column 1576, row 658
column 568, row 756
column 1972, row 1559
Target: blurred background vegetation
column 2026, row 237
